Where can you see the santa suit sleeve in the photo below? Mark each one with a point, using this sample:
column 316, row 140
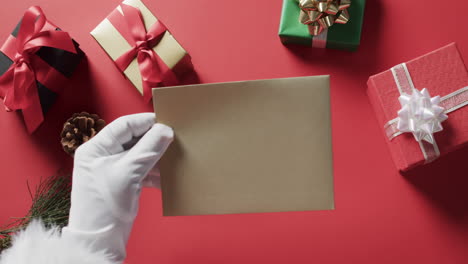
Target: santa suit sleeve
column 40, row 245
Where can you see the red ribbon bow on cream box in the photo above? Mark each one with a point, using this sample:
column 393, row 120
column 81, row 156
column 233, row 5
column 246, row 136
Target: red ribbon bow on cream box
column 421, row 128
column 142, row 47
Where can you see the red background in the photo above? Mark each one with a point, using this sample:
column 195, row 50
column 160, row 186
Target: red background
column 380, row 217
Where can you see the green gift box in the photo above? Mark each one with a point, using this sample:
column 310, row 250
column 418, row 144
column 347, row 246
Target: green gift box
column 338, row 36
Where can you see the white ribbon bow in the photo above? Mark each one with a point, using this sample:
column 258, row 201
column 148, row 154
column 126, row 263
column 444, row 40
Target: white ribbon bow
column 421, row 115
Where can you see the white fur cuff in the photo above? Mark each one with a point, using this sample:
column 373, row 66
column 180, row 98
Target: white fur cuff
column 39, row 245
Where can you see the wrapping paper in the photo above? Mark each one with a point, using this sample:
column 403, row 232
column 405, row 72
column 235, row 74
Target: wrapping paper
column 346, row 36
column 52, row 68
column 441, row 72
column 114, row 41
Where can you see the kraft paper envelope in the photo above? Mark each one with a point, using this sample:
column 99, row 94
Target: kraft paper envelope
column 247, row 147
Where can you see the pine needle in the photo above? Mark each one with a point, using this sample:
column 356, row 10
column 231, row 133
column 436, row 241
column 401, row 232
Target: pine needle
column 50, row 203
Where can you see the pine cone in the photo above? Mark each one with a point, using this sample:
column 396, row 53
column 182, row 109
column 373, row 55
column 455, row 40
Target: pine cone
column 78, row 129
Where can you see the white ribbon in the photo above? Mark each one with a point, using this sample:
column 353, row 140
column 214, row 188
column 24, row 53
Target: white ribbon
column 320, row 41
column 420, row 114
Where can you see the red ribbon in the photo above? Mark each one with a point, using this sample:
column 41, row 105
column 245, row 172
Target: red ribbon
column 18, row 84
column 153, row 70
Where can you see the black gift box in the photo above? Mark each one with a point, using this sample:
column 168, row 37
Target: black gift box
column 63, row 61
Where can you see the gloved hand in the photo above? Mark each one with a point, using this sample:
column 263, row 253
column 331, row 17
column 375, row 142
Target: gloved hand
column 108, row 176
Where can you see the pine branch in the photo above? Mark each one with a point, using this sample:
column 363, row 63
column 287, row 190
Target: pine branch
column 50, row 203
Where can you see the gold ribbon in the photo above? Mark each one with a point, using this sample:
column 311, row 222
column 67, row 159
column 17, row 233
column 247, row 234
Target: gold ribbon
column 319, row 15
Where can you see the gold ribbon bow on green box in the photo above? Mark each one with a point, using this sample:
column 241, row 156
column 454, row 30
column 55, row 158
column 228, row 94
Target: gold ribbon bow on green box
column 319, row 15
column 312, row 23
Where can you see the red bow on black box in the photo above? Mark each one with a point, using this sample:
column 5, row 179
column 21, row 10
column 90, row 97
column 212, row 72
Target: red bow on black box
column 35, row 62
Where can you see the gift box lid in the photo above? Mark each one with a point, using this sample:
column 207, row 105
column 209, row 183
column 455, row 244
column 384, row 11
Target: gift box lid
column 340, row 36
column 115, row 44
column 441, row 72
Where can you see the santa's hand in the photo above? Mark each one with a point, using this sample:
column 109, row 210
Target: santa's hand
column 108, row 176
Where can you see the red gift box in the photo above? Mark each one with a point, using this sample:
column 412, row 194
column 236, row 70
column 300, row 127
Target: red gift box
column 442, row 72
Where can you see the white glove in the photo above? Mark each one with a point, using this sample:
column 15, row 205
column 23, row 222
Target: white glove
column 108, row 176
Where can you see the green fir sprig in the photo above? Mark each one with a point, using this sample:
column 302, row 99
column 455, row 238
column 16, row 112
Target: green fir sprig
column 50, row 203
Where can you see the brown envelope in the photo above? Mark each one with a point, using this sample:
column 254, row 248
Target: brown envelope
column 247, row 147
